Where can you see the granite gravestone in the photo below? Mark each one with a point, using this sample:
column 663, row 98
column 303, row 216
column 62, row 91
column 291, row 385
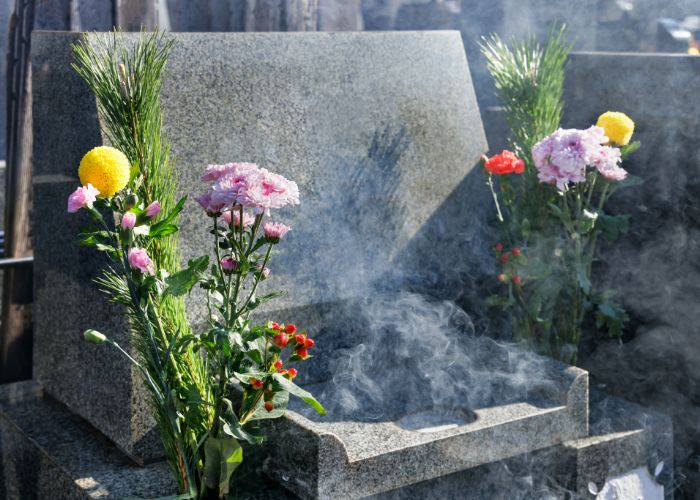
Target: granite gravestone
column 378, row 130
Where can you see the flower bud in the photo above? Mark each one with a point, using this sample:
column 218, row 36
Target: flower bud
column 503, row 259
column 292, row 373
column 309, row 343
column 516, row 252
column 229, row 265
column 128, row 220
column 153, row 209
column 94, row 336
column 130, row 201
column 303, row 353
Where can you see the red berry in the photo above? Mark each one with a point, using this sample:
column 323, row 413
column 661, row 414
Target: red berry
column 499, row 247
column 309, row 343
column 517, row 280
column 278, row 364
column 292, row 372
column 256, row 383
column 516, row 252
column 300, row 339
column 269, row 406
column 274, row 325
column 502, row 278
column 284, row 372
column 280, row 340
column 303, row 353
column 291, row 328
column 503, row 259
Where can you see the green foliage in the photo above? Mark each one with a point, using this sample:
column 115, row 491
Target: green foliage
column 529, row 78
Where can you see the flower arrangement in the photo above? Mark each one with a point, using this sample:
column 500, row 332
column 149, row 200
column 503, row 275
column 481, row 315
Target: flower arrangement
column 209, row 390
column 550, row 196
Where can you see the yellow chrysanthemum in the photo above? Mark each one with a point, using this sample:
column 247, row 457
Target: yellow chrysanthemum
column 106, row 168
column 618, row 127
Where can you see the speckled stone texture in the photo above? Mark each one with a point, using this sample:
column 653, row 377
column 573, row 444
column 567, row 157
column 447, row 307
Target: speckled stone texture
column 380, row 130
column 358, row 453
column 48, row 452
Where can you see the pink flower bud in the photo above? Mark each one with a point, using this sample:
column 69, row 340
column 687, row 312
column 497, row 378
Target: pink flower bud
column 248, row 219
column 228, row 264
column 140, row 261
column 128, row 220
column 274, row 231
column 153, row 209
column 82, row 197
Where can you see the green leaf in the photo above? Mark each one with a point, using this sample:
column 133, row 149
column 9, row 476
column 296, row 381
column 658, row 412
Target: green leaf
column 280, row 400
column 245, row 377
column 222, row 456
column 233, row 428
column 159, row 231
column 297, row 391
column 182, row 281
column 612, row 226
column 105, row 248
column 633, row 146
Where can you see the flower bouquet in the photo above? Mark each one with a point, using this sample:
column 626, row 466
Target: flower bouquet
column 210, row 390
column 550, row 195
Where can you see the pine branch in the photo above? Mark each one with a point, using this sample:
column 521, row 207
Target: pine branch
column 126, row 78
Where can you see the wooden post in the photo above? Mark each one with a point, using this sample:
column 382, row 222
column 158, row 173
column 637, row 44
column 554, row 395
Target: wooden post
column 16, row 328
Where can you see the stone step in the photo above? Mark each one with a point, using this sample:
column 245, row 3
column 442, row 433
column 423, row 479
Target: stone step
column 49, row 452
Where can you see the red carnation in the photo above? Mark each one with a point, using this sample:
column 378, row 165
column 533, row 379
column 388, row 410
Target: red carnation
column 504, row 163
